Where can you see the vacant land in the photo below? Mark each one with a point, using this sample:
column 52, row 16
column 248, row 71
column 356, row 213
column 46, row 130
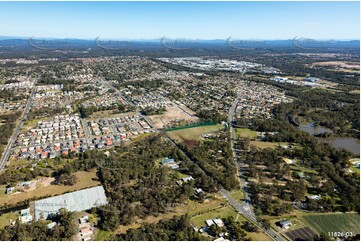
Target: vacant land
column 173, row 113
column 193, row 134
column 259, row 236
column 104, row 114
column 351, row 65
column 191, row 208
column 264, row 145
column 355, row 91
column 334, row 222
column 85, row 180
column 244, row 133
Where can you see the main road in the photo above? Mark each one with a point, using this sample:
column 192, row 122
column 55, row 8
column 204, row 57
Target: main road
column 244, row 208
column 6, row 153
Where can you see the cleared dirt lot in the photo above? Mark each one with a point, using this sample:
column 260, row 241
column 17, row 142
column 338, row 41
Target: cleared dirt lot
column 173, row 113
column 43, row 188
column 337, row 64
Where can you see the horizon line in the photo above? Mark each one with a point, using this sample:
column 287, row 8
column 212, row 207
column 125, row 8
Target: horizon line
column 5, row 37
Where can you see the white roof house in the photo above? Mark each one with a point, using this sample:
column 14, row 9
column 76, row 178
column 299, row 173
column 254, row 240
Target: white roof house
column 218, row 222
column 285, row 224
column 209, row 222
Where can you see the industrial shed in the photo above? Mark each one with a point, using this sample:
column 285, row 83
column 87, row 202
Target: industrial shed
column 73, row 201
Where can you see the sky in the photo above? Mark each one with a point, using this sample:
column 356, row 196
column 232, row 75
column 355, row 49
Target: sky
column 191, row 20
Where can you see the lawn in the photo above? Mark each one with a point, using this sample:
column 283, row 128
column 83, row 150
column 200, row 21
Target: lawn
column 259, row 237
column 193, row 133
column 103, row 235
column 303, row 169
column 237, row 195
column 85, row 180
column 243, row 133
column 224, row 212
column 334, row 222
column 5, row 218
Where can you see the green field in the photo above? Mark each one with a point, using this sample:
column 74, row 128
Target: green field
column 193, row 133
column 336, row 222
column 103, row 235
column 243, row 133
column 265, row 145
column 237, row 195
column 302, row 169
column 6, row 217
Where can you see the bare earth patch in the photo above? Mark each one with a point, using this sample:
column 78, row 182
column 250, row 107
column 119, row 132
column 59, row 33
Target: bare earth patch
column 337, row 64
column 43, row 188
column 173, row 113
column 40, row 182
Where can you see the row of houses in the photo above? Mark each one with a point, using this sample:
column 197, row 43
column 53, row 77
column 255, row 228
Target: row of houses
column 124, row 126
column 52, row 96
column 59, row 129
column 104, row 100
column 153, row 100
column 57, row 136
column 65, row 134
column 22, row 83
column 257, row 100
column 6, row 105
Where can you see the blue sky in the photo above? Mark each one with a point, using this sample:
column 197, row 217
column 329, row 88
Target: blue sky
column 193, row 20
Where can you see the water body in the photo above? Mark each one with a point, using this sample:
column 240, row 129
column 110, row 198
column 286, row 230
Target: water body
column 347, row 143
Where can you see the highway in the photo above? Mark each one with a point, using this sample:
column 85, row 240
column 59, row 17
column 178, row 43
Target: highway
column 6, row 153
column 244, row 208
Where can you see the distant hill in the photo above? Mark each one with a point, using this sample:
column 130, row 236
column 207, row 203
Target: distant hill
column 25, row 42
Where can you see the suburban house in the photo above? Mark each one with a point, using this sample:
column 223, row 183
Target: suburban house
column 285, row 224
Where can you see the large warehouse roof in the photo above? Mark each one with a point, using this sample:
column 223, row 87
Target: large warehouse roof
column 74, row 201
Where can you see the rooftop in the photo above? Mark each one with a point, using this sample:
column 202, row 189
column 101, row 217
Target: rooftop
column 74, row 201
